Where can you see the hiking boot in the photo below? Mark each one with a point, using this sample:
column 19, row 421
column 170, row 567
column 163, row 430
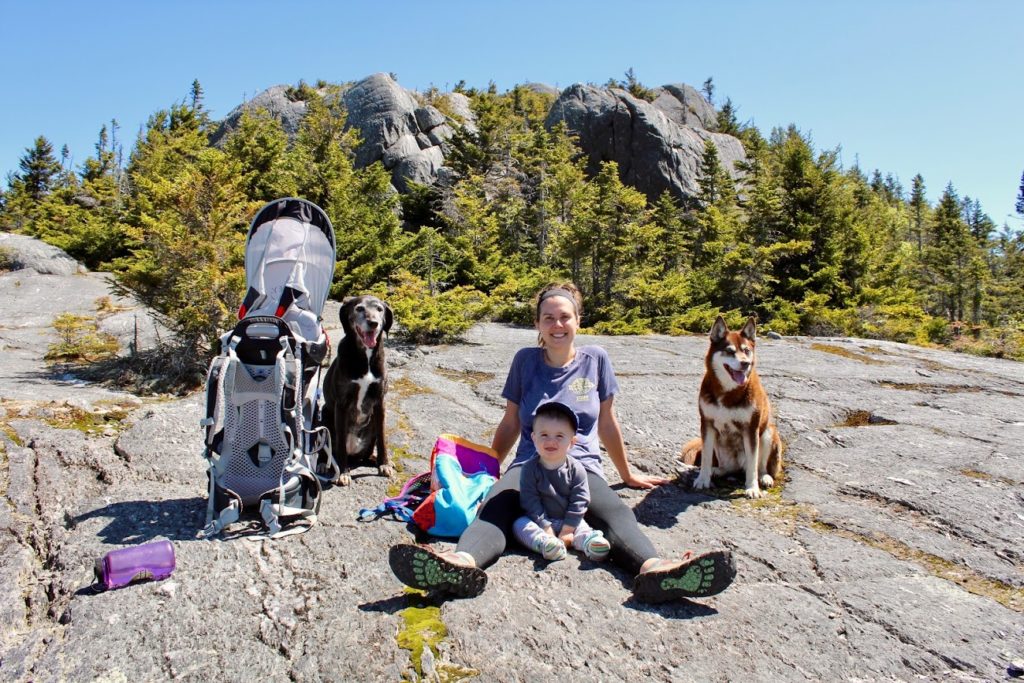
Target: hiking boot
column 697, row 577
column 423, row 568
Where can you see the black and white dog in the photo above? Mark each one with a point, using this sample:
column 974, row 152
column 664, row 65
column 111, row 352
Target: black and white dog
column 355, row 385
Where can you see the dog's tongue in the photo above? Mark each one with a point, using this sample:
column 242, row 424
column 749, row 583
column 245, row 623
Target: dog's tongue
column 737, row 376
column 369, row 339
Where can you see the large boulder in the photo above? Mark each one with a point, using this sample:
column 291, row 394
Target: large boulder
column 461, row 111
column 277, row 100
column 655, row 148
column 407, row 136
column 685, row 106
column 22, row 252
column 543, row 89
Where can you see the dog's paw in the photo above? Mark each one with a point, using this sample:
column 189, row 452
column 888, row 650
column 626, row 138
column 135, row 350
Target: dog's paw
column 752, row 492
column 386, row 471
column 702, row 482
column 766, row 481
column 343, row 479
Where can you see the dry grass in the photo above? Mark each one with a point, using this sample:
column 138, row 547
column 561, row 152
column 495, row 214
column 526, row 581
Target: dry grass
column 473, row 378
column 864, row 418
column 846, row 353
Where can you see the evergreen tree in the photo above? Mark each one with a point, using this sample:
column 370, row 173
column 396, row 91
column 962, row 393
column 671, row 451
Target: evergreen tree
column 39, row 168
column 561, row 189
column 196, row 96
column 259, row 144
column 633, row 86
column 726, row 119
column 28, row 191
column 85, row 216
column 675, row 239
column 748, row 276
column 186, row 223
column 980, row 268
column 715, row 186
column 709, row 90
column 1007, row 277
column 919, row 212
column 948, row 257
column 1019, row 206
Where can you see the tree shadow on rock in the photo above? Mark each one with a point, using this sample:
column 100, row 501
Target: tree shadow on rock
column 662, row 506
column 139, row 521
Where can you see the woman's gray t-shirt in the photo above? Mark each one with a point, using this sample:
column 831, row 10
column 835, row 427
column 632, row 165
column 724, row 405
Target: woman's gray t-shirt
column 582, row 385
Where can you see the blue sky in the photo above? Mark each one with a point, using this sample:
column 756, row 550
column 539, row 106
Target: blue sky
column 931, row 87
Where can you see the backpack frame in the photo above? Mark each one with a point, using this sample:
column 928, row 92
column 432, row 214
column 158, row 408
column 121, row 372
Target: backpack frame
column 264, row 435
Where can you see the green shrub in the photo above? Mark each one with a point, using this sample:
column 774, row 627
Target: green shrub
column 782, row 317
column 80, row 340
column 512, row 299
column 7, row 260
column 631, row 323
column 700, row 320
column 426, row 318
column 905, row 323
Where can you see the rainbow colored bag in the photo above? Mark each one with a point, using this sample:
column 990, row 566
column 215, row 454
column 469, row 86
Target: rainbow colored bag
column 461, row 475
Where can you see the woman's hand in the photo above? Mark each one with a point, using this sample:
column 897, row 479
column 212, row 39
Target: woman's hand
column 610, row 432
column 644, row 481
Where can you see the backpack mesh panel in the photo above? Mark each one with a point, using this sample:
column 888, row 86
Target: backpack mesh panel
column 260, row 406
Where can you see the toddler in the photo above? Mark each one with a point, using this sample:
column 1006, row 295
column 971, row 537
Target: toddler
column 553, row 490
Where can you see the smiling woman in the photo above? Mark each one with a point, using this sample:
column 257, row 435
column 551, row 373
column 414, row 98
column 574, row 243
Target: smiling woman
column 581, row 378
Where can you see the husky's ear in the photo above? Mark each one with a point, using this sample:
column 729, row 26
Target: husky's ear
column 750, row 329
column 718, row 330
column 389, row 317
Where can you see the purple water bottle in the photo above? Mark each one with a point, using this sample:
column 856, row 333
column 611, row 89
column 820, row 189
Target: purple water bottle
column 147, row 561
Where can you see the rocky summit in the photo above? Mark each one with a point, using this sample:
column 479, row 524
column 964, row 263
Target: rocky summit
column 891, row 549
column 658, row 144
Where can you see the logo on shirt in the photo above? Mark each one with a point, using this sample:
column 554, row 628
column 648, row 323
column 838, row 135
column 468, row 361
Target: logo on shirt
column 581, row 388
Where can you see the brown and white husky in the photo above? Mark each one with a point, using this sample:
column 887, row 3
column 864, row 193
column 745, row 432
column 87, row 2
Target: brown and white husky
column 737, row 431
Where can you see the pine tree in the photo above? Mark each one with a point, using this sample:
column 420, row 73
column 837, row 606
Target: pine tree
column 39, row 169
column 187, row 218
column 919, row 212
column 562, row 183
column 980, row 270
column 85, row 216
column 715, row 186
column 190, row 233
column 1019, row 206
column 259, row 144
column 635, row 88
column 726, row 119
column 40, row 174
column 948, row 257
column 709, row 90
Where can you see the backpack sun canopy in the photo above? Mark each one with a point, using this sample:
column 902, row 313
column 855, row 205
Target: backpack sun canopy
column 289, row 264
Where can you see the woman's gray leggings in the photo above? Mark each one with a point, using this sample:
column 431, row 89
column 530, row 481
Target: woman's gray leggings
column 486, row 537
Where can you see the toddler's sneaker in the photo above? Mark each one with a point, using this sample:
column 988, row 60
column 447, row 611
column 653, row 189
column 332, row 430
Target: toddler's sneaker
column 596, row 547
column 550, row 547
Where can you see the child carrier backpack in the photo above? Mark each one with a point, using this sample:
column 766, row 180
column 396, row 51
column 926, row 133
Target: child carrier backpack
column 444, row 500
column 263, row 431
